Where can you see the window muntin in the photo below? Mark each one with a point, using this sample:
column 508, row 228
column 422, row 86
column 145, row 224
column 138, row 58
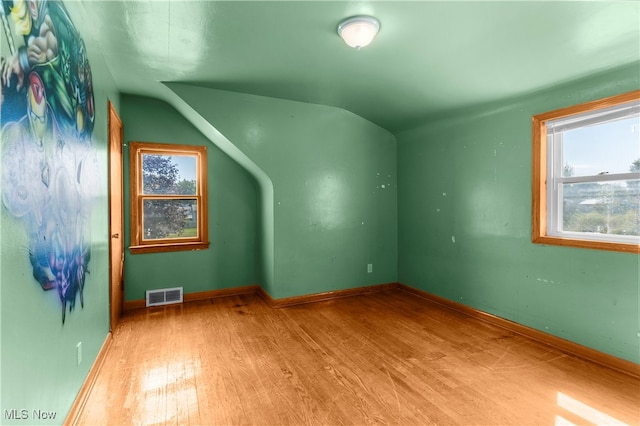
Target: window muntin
column 168, row 197
column 586, row 175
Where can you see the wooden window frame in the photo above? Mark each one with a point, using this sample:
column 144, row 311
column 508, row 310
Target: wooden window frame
column 137, row 242
column 540, row 167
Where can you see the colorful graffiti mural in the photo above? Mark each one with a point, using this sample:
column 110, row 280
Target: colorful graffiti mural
column 48, row 161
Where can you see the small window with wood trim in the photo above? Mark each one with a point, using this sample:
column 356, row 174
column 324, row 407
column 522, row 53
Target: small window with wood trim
column 586, row 175
column 168, row 191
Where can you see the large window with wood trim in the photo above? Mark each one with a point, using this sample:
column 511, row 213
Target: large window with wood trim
column 586, row 175
column 168, row 191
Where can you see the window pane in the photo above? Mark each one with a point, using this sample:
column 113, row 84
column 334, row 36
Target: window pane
column 603, row 208
column 609, row 147
column 170, row 219
column 169, row 174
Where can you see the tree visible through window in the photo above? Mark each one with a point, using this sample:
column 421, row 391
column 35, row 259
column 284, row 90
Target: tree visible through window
column 611, row 208
column 168, row 197
column 586, row 175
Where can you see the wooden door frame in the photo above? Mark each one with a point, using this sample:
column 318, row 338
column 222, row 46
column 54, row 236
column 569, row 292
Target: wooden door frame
column 113, row 115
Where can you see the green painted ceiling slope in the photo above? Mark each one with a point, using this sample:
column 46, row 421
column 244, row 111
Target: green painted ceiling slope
column 429, row 57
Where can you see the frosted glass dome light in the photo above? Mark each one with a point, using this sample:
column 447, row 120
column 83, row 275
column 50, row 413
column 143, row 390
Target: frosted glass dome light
column 358, row 31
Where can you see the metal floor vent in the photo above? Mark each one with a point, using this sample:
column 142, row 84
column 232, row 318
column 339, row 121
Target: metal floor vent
column 164, row 296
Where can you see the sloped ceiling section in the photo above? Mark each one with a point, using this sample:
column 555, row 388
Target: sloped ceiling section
column 429, row 56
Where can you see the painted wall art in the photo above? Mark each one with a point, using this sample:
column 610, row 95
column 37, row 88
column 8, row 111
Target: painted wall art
column 49, row 164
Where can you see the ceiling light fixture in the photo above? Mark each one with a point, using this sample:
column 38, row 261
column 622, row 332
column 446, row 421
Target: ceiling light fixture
column 358, row 31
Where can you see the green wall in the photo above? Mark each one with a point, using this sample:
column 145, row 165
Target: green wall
column 334, row 181
column 38, row 368
column 233, row 259
column 464, row 204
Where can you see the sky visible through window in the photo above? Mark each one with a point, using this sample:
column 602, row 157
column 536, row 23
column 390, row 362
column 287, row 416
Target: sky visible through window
column 186, row 166
column 608, row 147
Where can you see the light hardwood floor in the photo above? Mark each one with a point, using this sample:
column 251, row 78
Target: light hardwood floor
column 382, row 358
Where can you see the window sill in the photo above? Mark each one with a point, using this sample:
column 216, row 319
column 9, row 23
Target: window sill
column 158, row 248
column 589, row 244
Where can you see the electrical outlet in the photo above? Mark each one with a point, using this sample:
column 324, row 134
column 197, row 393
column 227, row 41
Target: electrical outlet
column 369, row 268
column 79, row 353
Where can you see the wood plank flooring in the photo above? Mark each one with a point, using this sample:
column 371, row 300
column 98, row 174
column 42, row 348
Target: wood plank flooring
column 381, row 358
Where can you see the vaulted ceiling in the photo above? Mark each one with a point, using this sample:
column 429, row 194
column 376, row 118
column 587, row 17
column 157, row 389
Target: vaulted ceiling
column 429, row 57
